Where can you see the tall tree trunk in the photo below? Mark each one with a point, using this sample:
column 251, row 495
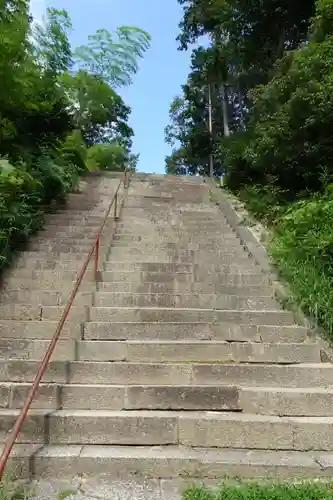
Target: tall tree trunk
column 226, row 128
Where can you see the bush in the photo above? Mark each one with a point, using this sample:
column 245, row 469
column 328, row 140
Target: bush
column 109, row 156
column 74, row 151
column 23, row 195
column 265, row 202
column 302, row 247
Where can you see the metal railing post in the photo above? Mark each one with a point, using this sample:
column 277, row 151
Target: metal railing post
column 115, row 206
column 96, row 259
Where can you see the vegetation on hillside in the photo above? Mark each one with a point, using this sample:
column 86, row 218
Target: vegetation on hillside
column 269, row 68
column 60, row 113
column 252, row 491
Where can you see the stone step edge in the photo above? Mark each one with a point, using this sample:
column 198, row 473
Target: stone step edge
column 207, row 415
column 167, row 462
column 159, row 342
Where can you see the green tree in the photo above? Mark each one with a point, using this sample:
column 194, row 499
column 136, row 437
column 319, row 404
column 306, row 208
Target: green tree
column 113, row 57
column 51, row 42
column 96, row 109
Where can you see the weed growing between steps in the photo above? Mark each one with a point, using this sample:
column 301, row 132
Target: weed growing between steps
column 301, row 246
column 262, row 492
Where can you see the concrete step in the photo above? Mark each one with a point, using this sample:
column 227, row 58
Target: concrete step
column 200, row 277
column 196, row 301
column 63, row 224
column 151, row 428
column 29, row 330
column 195, row 351
column 168, row 220
column 51, row 275
column 67, row 239
column 183, row 233
column 44, row 282
column 274, row 401
column 38, row 263
column 305, row 375
column 70, row 231
column 28, row 312
column 171, row 315
column 158, row 351
column 188, row 256
column 181, row 267
column 44, row 297
column 31, row 349
column 231, row 247
column 185, row 288
column 199, row 271
column 170, row 461
column 94, row 216
column 126, row 236
column 229, row 332
column 180, row 331
column 53, row 248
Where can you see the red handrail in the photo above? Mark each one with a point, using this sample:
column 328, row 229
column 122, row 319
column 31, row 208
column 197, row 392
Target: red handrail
column 44, row 364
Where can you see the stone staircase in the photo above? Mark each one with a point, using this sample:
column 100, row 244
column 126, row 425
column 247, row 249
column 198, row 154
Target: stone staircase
column 179, row 363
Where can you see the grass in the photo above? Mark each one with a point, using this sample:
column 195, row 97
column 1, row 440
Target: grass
column 248, row 491
column 301, row 247
column 12, row 490
column 15, row 490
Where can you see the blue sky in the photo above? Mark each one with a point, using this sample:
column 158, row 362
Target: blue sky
column 163, row 70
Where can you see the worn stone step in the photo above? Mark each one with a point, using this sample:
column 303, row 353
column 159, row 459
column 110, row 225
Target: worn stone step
column 56, row 226
column 195, row 351
column 167, row 315
column 27, row 312
column 189, row 331
column 36, row 349
column 165, row 218
column 51, row 275
column 95, row 216
column 175, row 286
column 184, row 233
column 29, row 330
column 170, row 461
column 59, row 249
column 126, row 236
column 199, row 429
column 150, row 351
column 93, row 211
column 299, row 375
column 38, row 263
column 206, row 213
column 201, row 301
column 243, row 278
column 168, row 219
column 44, row 297
column 194, row 257
column 63, row 245
column 43, row 282
column 70, row 231
column 231, row 247
column 182, row 267
column 278, row 401
column 67, row 239
column 43, row 252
